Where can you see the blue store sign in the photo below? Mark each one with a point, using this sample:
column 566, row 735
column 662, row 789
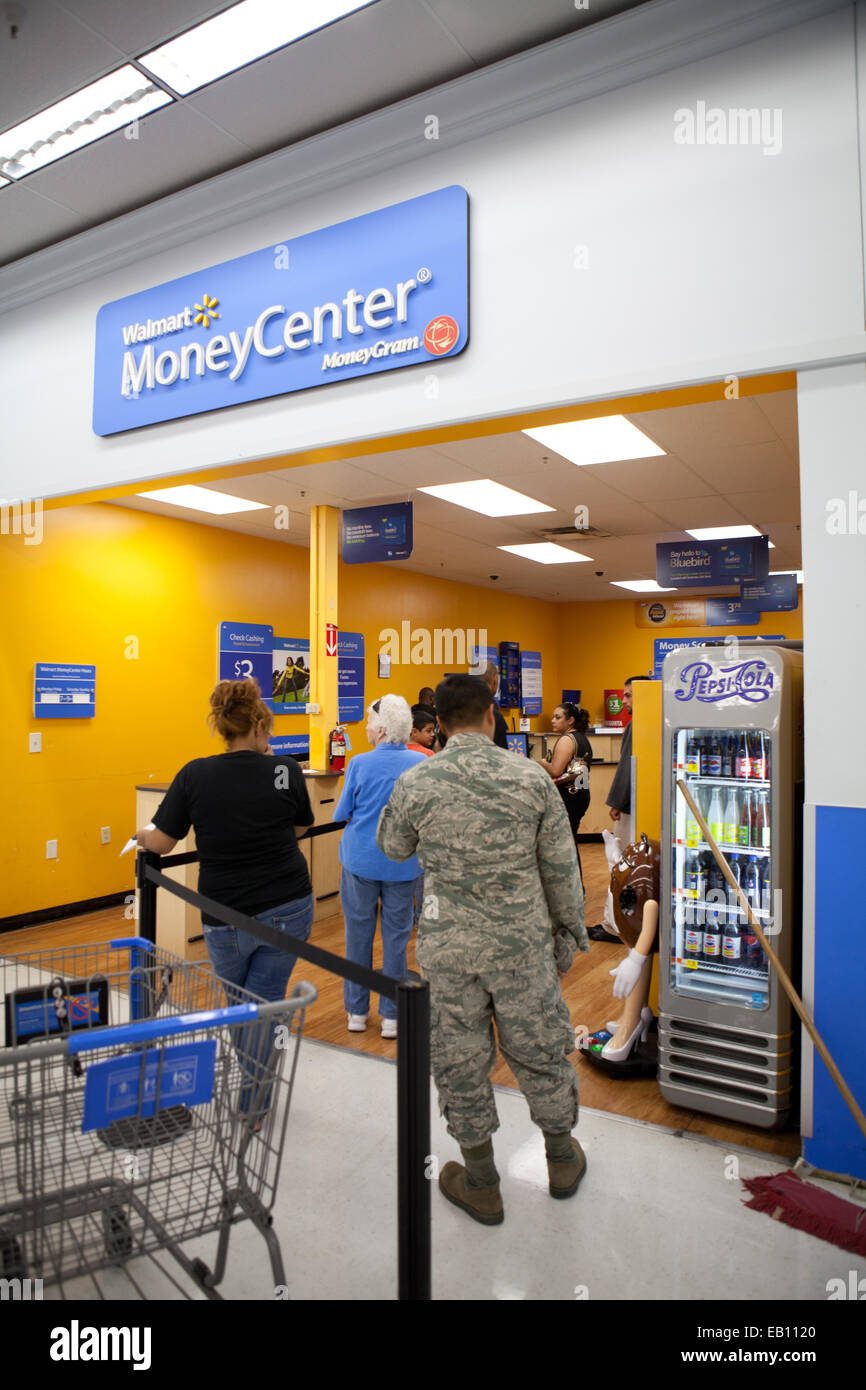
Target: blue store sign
column 777, row 594
column 373, row 534
column 683, row 564
column 386, row 290
column 350, row 676
column 64, row 692
column 246, row 651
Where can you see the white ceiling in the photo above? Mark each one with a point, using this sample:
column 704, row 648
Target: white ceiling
column 389, row 51
column 726, row 461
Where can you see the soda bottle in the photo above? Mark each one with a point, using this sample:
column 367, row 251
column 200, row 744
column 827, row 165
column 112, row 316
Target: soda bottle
column 766, row 891
column 744, row 762
column 712, row 931
column 732, row 818
column 732, row 945
column 744, row 829
column 753, row 884
column 716, row 818
column 702, row 755
column 690, row 875
column 693, row 756
column 693, row 832
column 763, row 798
column 737, row 871
column 755, row 832
column 759, row 757
column 728, row 755
column 714, row 755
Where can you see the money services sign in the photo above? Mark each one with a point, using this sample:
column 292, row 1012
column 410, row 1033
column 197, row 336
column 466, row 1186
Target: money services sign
column 386, row 290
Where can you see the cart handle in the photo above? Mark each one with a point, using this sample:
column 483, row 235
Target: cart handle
column 91, row 1038
column 141, row 941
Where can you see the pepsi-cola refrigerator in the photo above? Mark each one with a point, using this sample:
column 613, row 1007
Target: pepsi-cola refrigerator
column 733, row 731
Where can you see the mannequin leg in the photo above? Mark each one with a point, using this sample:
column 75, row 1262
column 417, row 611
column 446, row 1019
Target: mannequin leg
column 635, row 1002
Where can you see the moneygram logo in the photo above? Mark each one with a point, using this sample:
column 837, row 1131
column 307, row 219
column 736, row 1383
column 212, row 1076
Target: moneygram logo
column 441, row 334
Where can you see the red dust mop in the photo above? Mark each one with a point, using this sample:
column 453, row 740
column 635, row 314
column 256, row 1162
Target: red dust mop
column 786, row 1197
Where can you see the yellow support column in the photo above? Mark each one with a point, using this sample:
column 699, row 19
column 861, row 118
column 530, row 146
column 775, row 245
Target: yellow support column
column 647, row 751
column 324, row 553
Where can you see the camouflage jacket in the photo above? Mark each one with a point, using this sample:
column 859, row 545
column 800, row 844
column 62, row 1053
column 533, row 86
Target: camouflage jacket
column 500, row 870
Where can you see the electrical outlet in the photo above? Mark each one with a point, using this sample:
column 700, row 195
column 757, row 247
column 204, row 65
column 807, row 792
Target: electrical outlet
column 105, row 832
column 35, row 743
column 50, row 849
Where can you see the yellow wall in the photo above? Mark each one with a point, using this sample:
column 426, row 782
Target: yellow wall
column 104, row 574
column 601, row 646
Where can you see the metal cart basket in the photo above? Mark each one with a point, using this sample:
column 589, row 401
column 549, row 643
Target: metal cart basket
column 143, row 1103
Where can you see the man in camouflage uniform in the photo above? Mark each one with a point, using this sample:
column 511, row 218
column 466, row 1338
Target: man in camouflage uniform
column 503, row 913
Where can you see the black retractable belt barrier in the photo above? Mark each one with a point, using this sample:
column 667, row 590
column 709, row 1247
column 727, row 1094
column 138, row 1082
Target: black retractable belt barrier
column 413, row 1053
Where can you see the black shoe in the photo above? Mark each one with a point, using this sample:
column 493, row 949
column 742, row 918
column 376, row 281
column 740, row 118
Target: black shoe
column 601, row 933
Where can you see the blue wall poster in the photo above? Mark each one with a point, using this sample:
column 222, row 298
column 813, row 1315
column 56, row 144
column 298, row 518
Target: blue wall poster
column 380, row 292
column 663, row 645
column 681, row 564
column 530, row 683
column 777, row 594
column 372, row 534
column 350, row 676
column 721, row 612
column 245, row 650
column 291, row 675
column 64, row 691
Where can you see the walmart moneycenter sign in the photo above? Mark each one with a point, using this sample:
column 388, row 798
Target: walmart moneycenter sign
column 387, row 290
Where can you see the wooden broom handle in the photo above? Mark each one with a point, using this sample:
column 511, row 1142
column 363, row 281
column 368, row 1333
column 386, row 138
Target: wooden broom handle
column 779, row 968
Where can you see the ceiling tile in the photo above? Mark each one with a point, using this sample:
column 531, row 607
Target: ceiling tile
column 363, row 63
column 26, row 219
column 767, row 508
column 745, row 467
column 715, row 424
column 52, row 56
column 137, row 28
column 646, row 480
column 692, row 512
column 174, row 147
column 780, row 408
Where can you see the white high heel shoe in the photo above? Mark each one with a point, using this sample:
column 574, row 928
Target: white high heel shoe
column 619, row 1054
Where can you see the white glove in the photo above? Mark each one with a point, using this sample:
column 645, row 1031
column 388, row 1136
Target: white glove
column 627, row 974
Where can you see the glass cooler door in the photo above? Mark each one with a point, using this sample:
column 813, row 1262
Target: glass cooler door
column 714, row 952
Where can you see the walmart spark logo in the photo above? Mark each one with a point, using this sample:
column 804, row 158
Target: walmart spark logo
column 206, row 311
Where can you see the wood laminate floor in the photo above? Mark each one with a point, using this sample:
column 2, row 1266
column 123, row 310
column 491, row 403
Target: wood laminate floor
column 587, row 991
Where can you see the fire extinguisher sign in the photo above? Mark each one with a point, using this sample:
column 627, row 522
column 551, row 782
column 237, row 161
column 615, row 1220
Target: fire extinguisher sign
column 330, row 639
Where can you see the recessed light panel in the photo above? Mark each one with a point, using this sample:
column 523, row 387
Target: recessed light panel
column 545, row 553
column 114, row 101
column 609, row 439
column 203, row 499
column 239, row 36
column 489, row 498
column 642, row 586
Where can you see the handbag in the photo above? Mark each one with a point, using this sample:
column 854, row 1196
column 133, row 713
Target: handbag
column 575, row 778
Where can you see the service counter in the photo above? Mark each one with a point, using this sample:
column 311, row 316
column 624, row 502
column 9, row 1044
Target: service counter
column 178, row 925
column 606, row 747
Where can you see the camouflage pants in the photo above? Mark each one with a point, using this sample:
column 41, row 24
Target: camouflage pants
column 535, row 1035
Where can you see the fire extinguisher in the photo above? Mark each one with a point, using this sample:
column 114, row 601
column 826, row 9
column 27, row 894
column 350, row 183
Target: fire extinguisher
column 337, row 742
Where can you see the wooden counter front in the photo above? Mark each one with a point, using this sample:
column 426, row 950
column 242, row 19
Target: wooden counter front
column 178, row 925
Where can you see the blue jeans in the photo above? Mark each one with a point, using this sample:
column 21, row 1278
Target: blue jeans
column 240, row 959
column 361, row 898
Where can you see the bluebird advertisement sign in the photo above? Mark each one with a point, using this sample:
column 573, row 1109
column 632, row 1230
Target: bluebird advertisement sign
column 373, row 534
column 681, row 564
column 386, row 290
column 777, row 594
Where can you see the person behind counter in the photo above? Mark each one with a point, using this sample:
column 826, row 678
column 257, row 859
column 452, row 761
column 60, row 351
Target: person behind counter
column 247, row 809
column 368, row 877
column 571, row 723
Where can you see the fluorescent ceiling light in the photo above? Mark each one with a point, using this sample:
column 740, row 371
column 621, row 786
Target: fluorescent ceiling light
column 723, row 533
column 545, row 553
column 203, row 499
column 489, row 498
column 104, row 106
column 607, row 440
column 642, row 586
column 239, row 36
column 798, row 573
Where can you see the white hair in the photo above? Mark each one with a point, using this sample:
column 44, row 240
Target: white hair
column 394, row 716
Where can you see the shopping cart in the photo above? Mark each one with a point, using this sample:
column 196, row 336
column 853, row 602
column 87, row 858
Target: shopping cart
column 143, row 1103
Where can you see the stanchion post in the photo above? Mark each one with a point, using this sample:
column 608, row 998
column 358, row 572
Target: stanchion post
column 413, row 1139
column 146, row 895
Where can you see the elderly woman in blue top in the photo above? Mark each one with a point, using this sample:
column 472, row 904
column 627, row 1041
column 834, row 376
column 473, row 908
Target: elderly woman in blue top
column 368, row 877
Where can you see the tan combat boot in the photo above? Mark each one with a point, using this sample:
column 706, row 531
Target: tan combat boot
column 564, row 1177
column 483, row 1204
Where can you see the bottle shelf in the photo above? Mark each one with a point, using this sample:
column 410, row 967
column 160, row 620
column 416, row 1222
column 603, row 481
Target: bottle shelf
column 701, row 845
column 748, row 783
column 681, row 896
column 721, row 971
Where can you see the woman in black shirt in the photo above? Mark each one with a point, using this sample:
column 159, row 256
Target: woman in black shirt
column 572, row 723
column 247, row 809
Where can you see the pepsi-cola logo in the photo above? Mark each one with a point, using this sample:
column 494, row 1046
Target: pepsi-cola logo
column 750, row 680
column 441, row 334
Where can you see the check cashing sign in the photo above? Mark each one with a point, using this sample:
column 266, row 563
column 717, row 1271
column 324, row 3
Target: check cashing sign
column 379, row 292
